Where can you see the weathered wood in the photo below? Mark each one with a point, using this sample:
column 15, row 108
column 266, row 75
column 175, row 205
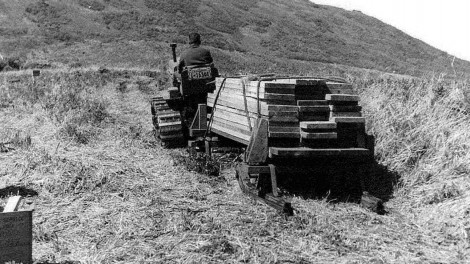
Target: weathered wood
column 16, row 237
column 278, row 118
column 284, row 135
column 314, row 108
column 237, row 103
column 348, row 119
column 345, row 108
column 283, row 124
column 12, row 204
column 284, row 129
column 230, row 117
column 317, row 125
column 327, row 135
column 276, row 113
column 279, row 102
column 303, row 152
column 311, row 102
column 282, row 108
column 345, row 114
column 280, row 97
column 232, row 126
column 272, row 170
column 341, row 97
column 233, row 135
column 313, row 116
column 257, row 150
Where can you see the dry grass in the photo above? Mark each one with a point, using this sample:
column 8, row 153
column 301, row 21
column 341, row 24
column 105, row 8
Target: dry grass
column 118, row 197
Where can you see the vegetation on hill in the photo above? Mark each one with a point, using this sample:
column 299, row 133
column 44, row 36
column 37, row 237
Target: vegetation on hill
column 274, row 31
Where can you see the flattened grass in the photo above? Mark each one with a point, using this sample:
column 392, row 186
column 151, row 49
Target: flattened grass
column 121, row 198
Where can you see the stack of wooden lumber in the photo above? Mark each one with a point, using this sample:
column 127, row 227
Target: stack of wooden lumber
column 312, row 112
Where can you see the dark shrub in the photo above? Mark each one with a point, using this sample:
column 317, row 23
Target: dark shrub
column 92, row 5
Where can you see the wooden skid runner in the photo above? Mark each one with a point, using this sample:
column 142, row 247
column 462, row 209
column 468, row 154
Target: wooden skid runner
column 303, row 152
column 270, row 198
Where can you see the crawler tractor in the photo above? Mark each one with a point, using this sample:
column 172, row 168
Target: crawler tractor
column 299, row 135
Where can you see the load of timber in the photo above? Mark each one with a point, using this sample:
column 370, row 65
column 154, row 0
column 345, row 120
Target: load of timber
column 301, row 112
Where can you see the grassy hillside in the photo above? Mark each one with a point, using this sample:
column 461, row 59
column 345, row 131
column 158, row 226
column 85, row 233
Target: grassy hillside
column 280, row 34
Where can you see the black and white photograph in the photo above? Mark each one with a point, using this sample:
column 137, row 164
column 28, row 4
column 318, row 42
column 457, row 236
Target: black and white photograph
column 235, row 131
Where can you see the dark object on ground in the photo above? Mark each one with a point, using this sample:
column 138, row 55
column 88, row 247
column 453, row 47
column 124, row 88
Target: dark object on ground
column 372, row 203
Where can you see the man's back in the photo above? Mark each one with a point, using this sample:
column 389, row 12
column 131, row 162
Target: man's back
column 195, row 55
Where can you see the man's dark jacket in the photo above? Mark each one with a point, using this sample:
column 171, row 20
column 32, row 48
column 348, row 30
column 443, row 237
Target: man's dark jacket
column 195, row 55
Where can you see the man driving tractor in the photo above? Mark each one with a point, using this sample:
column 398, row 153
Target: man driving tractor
column 193, row 75
column 195, row 55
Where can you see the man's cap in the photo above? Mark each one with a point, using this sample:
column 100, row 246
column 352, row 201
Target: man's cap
column 194, row 38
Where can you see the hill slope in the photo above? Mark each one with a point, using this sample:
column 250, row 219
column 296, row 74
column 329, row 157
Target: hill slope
column 272, row 31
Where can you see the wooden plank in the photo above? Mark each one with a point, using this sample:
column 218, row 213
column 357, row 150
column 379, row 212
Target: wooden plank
column 16, row 243
column 275, row 85
column 345, row 108
column 284, row 129
column 268, row 97
column 283, row 124
column 282, row 108
column 235, row 127
column 279, row 102
column 258, row 146
column 278, row 118
column 230, row 117
column 314, row 108
column 272, row 170
column 341, row 97
column 345, row 114
column 241, row 112
column 304, row 152
column 311, row 102
column 327, row 135
column 284, row 135
column 310, row 97
column 348, row 119
column 306, row 116
column 237, row 102
column 251, row 87
column 12, row 204
column 318, row 125
column 233, row 135
column 291, row 114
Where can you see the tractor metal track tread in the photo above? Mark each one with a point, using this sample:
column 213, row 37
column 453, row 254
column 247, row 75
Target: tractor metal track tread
column 167, row 124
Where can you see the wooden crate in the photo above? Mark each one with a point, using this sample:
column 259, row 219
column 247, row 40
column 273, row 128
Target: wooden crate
column 16, row 239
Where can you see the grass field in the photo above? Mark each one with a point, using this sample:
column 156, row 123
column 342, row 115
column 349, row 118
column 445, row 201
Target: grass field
column 80, row 143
